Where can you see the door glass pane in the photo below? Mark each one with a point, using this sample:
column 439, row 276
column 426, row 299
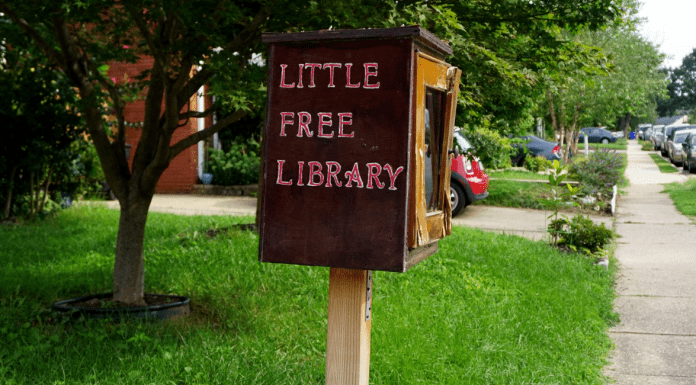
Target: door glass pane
column 434, row 132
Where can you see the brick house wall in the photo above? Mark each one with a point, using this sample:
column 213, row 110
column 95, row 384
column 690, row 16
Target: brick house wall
column 181, row 175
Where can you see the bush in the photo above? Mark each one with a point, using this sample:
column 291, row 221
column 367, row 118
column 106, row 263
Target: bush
column 597, row 174
column 537, row 163
column 239, row 165
column 492, row 149
column 84, row 177
column 580, row 233
column 646, row 146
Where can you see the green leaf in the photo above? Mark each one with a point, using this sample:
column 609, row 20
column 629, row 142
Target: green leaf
column 103, row 69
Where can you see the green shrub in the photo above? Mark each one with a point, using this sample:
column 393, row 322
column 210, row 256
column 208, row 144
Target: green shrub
column 492, row 149
column 239, row 165
column 537, row 163
column 598, row 173
column 580, row 233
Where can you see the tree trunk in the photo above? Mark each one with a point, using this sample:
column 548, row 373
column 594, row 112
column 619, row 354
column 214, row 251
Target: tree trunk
column 32, row 209
column 129, row 272
column 45, row 189
column 552, row 115
column 573, row 135
column 626, row 124
column 562, row 128
column 258, row 200
column 8, row 201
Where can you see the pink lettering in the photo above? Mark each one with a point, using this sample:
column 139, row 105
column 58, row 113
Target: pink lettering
column 299, row 82
column 280, row 174
column 331, row 67
column 311, row 73
column 282, row 77
column 373, row 171
column 300, row 166
column 315, row 172
column 369, row 73
column 348, row 85
column 393, row 174
column 283, row 121
column 341, row 123
column 332, row 170
column 305, row 119
column 354, row 176
column 323, row 122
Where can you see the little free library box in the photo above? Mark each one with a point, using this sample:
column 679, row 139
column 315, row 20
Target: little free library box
column 356, row 160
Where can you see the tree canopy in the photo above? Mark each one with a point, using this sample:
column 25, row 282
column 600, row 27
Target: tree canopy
column 502, row 47
column 681, row 91
column 40, row 120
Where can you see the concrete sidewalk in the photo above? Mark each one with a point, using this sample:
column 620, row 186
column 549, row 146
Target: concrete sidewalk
column 656, row 339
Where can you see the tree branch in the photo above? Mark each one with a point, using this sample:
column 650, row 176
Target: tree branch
column 52, row 53
column 192, row 139
column 136, row 14
column 197, row 114
column 244, row 38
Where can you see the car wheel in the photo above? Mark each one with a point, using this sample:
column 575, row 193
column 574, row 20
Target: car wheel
column 457, row 198
column 605, row 140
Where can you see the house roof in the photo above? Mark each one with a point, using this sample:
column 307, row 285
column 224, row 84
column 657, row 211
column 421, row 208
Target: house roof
column 667, row 120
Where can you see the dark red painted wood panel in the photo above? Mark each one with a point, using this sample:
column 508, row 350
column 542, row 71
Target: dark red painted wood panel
column 349, row 135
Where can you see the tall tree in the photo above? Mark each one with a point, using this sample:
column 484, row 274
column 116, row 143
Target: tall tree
column 618, row 78
column 500, row 44
column 681, row 94
column 40, row 121
column 191, row 43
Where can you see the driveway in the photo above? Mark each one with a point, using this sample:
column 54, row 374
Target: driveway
column 199, row 205
column 523, row 222
column 526, row 223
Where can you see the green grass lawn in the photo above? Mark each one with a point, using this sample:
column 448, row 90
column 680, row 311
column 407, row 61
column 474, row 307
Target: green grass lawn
column 663, row 165
column 684, row 196
column 486, row 309
column 507, row 190
column 620, row 144
column 513, row 193
column 519, row 174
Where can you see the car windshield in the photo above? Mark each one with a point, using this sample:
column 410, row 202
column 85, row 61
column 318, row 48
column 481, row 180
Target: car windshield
column 680, row 137
column 461, row 141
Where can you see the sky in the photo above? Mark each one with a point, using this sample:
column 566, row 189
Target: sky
column 670, row 25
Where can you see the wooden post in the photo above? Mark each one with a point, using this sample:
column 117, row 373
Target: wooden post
column 349, row 326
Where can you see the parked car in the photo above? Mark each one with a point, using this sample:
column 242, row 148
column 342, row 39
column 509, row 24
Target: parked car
column 536, row 147
column 596, row 135
column 641, row 130
column 653, row 133
column 689, row 153
column 469, row 182
column 658, row 132
column 666, row 133
column 669, row 135
column 647, row 133
column 674, row 145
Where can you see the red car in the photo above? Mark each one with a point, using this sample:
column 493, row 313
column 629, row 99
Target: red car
column 469, row 182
